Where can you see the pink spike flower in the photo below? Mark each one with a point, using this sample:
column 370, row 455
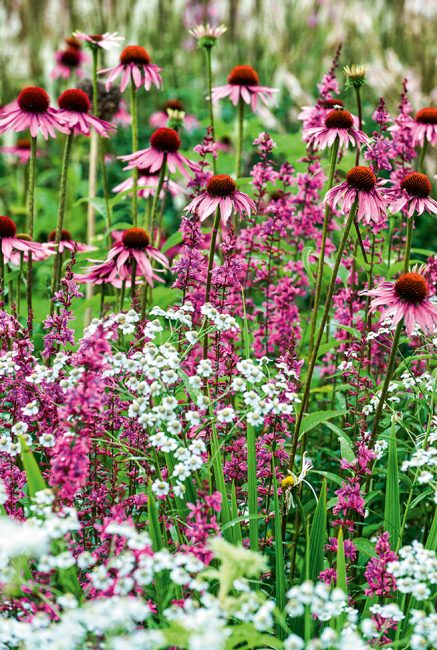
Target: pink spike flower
column 221, row 192
column 135, row 66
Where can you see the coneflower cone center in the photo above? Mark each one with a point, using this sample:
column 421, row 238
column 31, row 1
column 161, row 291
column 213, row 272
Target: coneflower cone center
column 65, row 235
column 221, row 185
column 166, row 140
column 75, row 100
column 361, row 178
column 330, row 103
column 243, row 75
column 96, row 37
column 7, row 227
column 23, row 143
column 73, row 43
column 70, row 58
column 136, row 238
column 174, row 105
column 427, row 116
column 135, row 54
column 339, row 119
column 417, row 184
column 412, row 288
column 33, row 100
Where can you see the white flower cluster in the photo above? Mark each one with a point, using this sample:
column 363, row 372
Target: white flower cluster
column 50, row 375
column 205, row 626
column 324, row 603
column 415, row 571
column 222, row 322
column 177, row 314
column 7, row 364
column 424, row 460
column 424, row 636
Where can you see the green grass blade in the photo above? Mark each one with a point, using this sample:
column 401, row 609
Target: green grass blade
column 252, row 488
column 35, row 480
column 216, row 457
column 431, row 541
column 279, row 555
column 318, row 536
column 392, row 508
column 341, row 563
column 238, row 538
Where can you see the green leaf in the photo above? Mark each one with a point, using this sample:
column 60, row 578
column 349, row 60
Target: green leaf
column 318, row 536
column 252, row 488
column 154, row 527
column 306, row 252
column 314, row 419
column 279, row 554
column 35, row 480
column 431, row 542
column 392, row 509
column 173, row 240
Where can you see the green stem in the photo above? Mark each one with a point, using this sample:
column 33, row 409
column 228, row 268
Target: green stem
column 408, row 243
column 240, row 137
column 156, row 199
column 321, row 261
column 122, row 292
column 61, row 213
column 360, row 120
column 208, row 58
column 133, row 278
column 212, row 245
column 94, row 80
column 2, row 274
column 134, row 113
column 30, row 221
column 325, row 316
column 252, row 489
column 422, row 156
column 106, row 193
column 102, row 299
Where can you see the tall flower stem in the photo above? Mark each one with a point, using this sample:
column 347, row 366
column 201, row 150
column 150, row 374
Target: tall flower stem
column 240, row 137
column 408, row 243
column 325, row 316
column 156, row 198
column 2, row 275
column 106, row 193
column 422, row 157
column 30, row 219
column 321, row 261
column 208, row 61
column 134, row 114
column 360, row 119
column 133, row 278
column 61, row 212
column 212, row 245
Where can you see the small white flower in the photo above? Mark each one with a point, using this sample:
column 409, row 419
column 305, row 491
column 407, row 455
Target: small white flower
column 226, row 414
column 160, row 488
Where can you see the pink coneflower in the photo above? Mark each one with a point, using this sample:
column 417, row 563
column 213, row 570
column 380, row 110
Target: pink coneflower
column 243, row 83
column 67, row 64
column 164, row 144
column 134, row 245
column 135, row 66
column 66, row 243
column 33, row 113
column 39, row 252
column 75, row 104
column 338, row 123
column 221, row 192
column 314, row 116
column 106, row 41
column 412, row 195
column 360, row 185
column 159, row 119
column 75, row 44
column 21, row 149
column 147, row 184
column 407, row 298
column 424, row 126
column 12, row 244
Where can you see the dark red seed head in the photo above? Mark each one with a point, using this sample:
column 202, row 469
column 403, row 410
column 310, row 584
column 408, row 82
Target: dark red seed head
column 361, row 178
column 221, row 185
column 412, row 288
column 65, row 235
column 23, row 143
column 427, row 116
column 174, row 105
column 33, row 99
column 330, row 103
column 135, row 54
column 70, row 57
column 7, row 227
column 339, row 119
column 166, row 140
column 74, row 99
column 136, row 238
column 73, row 43
column 243, row 75
column 417, row 184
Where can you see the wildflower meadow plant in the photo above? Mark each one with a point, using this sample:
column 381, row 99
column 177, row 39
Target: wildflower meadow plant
column 229, row 439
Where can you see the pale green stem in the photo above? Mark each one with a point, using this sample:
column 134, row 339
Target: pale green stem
column 240, row 138
column 208, row 58
column 134, row 114
column 31, row 219
column 156, row 199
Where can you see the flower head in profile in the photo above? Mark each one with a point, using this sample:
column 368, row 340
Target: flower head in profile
column 338, row 124
column 12, row 244
column 362, row 186
column 243, row 83
column 21, row 150
column 68, row 63
column 134, row 245
column 355, row 75
column 407, row 298
column 74, row 107
column 66, row 243
column 207, row 35
column 314, row 116
column 424, row 126
column 33, row 112
column 135, row 66
column 412, row 195
column 106, row 41
column 164, row 145
column 172, row 108
column 221, row 192
column 147, row 184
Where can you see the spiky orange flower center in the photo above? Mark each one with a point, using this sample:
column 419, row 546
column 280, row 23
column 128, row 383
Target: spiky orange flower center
column 135, row 54
column 65, row 235
column 174, row 105
column 70, row 57
column 33, row 99
column 417, row 184
column 243, row 75
column 74, row 99
column 362, row 178
column 7, row 227
column 427, row 116
column 166, row 140
column 136, row 238
column 339, row 119
column 330, row 103
column 412, row 288
column 221, row 185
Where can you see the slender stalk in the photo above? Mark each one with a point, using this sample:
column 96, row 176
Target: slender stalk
column 134, row 114
column 94, row 80
column 133, row 278
column 122, row 292
column 252, row 489
column 422, row 157
column 208, row 58
column 408, row 243
column 321, row 261
column 106, row 193
column 156, row 199
column 61, row 213
column 30, row 219
column 102, row 299
column 360, row 119
column 325, row 316
column 240, row 137
column 214, row 232
column 2, row 274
